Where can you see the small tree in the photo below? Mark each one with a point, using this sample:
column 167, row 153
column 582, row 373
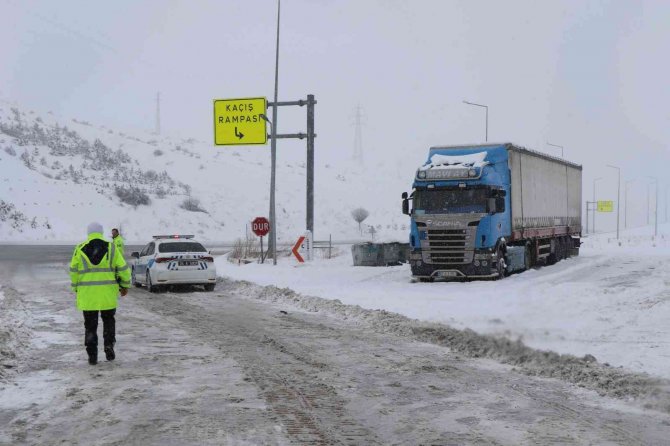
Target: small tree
column 359, row 214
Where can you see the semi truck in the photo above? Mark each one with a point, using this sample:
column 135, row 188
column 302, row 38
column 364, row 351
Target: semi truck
column 485, row 211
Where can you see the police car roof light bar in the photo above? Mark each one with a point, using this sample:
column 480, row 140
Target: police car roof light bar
column 173, row 236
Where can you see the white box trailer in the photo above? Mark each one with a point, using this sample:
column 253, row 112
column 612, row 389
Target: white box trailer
column 546, row 195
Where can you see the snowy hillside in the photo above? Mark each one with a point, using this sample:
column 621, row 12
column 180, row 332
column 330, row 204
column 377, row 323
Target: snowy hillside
column 57, row 174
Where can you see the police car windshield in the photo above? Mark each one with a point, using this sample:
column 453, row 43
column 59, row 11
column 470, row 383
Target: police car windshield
column 181, row 247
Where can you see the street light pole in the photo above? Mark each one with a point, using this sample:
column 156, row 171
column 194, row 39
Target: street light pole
column 273, row 212
column 666, row 203
column 648, row 200
column 595, row 203
column 618, row 198
column 556, row 145
column 655, row 180
column 625, row 202
column 487, row 116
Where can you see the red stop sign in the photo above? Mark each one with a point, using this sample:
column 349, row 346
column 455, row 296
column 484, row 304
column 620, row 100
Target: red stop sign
column 260, row 226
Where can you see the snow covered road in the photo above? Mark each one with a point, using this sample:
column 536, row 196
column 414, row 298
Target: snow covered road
column 231, row 368
column 610, row 302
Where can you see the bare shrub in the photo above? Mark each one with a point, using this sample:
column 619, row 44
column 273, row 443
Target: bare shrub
column 359, row 214
column 132, row 195
column 158, row 152
column 246, row 248
column 192, row 204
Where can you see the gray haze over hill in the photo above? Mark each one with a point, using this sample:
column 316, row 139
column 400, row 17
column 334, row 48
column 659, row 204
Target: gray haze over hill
column 590, row 76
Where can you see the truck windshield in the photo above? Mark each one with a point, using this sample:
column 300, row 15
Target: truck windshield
column 451, row 201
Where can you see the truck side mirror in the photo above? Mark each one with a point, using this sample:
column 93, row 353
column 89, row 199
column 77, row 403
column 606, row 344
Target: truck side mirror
column 405, row 204
column 491, row 205
column 500, row 204
column 135, row 254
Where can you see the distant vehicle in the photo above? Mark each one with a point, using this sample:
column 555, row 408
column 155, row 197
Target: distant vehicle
column 173, row 260
column 484, row 211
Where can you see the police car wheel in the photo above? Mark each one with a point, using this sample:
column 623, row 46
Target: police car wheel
column 133, row 279
column 150, row 286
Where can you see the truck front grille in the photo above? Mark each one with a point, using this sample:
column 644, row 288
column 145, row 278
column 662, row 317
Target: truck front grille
column 450, row 246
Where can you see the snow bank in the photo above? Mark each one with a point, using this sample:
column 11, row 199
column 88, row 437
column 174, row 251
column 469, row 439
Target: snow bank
column 585, row 371
column 612, row 303
column 14, row 334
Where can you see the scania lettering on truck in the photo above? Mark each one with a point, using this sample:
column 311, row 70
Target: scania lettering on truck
column 483, row 211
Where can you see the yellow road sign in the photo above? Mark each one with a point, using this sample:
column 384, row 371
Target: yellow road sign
column 239, row 121
column 605, row 206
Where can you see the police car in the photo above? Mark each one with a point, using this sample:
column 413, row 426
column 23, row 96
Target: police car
column 173, row 260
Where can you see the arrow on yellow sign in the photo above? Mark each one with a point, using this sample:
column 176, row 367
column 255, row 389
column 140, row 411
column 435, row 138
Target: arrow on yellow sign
column 239, row 121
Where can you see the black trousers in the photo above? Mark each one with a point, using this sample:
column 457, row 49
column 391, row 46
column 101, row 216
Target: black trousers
column 108, row 329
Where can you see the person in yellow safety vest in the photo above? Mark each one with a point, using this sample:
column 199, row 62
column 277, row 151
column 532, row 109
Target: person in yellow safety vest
column 118, row 240
column 98, row 273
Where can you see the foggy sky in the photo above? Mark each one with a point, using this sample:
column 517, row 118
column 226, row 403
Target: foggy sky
column 589, row 75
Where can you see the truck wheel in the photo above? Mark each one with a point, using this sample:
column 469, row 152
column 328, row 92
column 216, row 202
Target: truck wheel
column 527, row 260
column 552, row 258
column 209, row 286
column 568, row 247
column 501, row 265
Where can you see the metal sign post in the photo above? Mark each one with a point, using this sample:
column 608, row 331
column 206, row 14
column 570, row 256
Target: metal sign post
column 309, row 136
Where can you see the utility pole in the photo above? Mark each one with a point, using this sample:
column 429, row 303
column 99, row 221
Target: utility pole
column 358, row 135
column 158, row 113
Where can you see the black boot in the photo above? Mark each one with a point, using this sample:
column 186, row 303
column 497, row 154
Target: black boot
column 92, row 356
column 109, row 353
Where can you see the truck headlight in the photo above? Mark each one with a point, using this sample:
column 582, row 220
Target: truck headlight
column 484, row 263
column 476, row 262
column 472, row 172
column 422, row 174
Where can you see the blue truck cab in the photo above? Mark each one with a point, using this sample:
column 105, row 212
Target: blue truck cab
column 461, row 214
